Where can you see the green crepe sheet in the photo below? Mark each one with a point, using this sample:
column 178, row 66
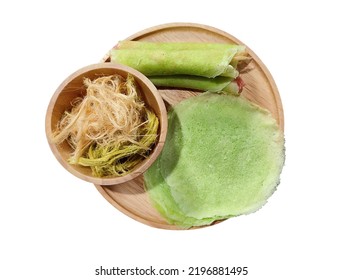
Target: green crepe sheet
column 223, row 157
column 162, row 200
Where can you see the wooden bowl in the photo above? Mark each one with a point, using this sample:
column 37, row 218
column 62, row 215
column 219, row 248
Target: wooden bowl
column 72, row 87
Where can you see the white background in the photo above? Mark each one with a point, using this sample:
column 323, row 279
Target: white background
column 55, row 226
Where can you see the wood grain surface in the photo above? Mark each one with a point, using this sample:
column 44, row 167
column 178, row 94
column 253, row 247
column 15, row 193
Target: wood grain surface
column 260, row 88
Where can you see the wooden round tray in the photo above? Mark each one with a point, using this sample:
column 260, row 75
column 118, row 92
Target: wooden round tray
column 131, row 198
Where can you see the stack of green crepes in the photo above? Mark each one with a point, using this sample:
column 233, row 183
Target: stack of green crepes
column 222, row 157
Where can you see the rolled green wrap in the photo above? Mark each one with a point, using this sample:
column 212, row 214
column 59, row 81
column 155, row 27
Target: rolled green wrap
column 218, row 84
column 205, row 63
column 175, row 46
column 216, row 56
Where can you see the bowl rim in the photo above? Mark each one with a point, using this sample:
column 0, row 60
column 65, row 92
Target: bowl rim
column 163, row 123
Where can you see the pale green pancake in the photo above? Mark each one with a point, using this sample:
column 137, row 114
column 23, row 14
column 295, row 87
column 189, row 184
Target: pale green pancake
column 223, row 157
column 162, row 200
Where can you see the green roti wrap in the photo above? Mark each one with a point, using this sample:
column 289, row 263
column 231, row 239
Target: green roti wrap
column 218, row 84
column 199, row 62
column 125, row 44
column 180, row 58
column 223, row 157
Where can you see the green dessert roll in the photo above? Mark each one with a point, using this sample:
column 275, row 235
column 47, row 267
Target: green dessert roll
column 218, row 84
column 208, row 63
column 126, row 44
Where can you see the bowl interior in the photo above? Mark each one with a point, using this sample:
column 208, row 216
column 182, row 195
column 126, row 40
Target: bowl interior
column 73, row 87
